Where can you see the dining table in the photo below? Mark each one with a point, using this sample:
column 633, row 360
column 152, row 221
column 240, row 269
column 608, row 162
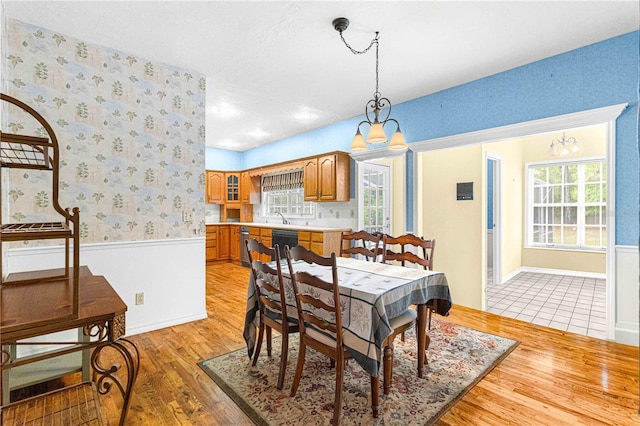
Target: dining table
column 372, row 294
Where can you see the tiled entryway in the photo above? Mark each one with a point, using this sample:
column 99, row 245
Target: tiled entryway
column 562, row 302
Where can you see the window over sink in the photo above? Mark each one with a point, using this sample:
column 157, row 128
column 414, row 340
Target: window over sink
column 283, row 194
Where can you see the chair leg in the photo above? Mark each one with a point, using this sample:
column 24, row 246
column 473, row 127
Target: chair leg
column 337, row 403
column 256, row 352
column 268, row 341
column 299, row 366
column 283, row 360
column 387, row 367
column 375, row 395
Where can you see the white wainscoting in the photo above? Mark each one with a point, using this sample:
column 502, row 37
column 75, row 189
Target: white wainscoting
column 627, row 322
column 170, row 273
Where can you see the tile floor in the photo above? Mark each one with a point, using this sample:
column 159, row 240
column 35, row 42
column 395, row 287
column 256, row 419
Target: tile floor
column 562, row 302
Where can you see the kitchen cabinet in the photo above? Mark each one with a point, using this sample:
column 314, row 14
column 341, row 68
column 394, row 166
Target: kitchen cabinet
column 223, row 242
column 264, row 235
column 245, row 188
column 218, row 242
column 215, row 187
column 232, row 180
column 326, row 177
column 212, row 243
column 234, row 242
column 321, row 242
column 312, row 240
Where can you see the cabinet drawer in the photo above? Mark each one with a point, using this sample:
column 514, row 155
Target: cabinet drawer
column 212, row 253
column 304, row 237
column 317, row 237
column 265, row 233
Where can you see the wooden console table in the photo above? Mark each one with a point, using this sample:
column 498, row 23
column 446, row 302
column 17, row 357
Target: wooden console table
column 39, row 308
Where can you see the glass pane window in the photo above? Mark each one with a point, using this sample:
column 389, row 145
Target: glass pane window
column 288, row 202
column 567, row 205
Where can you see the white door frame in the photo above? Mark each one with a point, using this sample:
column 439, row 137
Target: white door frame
column 605, row 115
column 360, row 168
column 497, row 216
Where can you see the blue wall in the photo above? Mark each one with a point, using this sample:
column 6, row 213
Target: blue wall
column 223, row 159
column 598, row 75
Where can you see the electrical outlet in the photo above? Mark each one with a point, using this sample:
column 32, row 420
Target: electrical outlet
column 139, row 298
column 187, row 216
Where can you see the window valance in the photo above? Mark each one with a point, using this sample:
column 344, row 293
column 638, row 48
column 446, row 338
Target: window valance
column 282, row 181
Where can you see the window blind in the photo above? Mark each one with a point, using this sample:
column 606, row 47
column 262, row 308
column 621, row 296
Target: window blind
column 282, row 181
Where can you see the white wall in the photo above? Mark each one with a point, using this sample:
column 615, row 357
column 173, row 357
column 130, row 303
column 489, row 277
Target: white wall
column 170, row 273
column 627, row 295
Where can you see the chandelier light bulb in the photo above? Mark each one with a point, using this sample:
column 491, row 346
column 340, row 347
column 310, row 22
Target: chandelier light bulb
column 397, row 141
column 358, row 142
column 376, row 133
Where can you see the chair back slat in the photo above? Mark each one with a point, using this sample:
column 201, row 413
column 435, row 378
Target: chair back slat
column 317, row 300
column 426, row 247
column 361, row 242
column 267, row 279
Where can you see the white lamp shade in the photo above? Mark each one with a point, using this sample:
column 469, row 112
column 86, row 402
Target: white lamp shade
column 376, row 134
column 397, row 141
column 358, row 143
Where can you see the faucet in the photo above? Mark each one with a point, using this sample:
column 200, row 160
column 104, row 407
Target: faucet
column 284, row 220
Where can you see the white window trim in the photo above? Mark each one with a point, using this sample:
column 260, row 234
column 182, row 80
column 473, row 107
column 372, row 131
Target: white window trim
column 528, row 169
column 265, row 209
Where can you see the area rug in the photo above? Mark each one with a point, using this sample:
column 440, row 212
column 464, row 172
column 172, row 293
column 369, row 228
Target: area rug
column 458, row 358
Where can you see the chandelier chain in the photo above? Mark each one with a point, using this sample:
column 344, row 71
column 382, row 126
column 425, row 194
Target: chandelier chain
column 360, row 52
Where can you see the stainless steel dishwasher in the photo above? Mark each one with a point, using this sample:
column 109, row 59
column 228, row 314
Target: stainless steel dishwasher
column 244, row 237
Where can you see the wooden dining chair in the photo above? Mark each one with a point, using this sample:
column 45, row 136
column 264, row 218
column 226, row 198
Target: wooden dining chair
column 318, row 303
column 409, row 247
column 270, row 289
column 361, row 243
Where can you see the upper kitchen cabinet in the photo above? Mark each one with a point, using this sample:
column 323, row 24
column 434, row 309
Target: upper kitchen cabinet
column 249, row 188
column 326, row 178
column 215, row 187
column 232, row 180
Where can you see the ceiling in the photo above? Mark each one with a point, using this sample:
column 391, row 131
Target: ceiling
column 278, row 68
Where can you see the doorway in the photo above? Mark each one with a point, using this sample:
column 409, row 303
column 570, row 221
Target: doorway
column 439, row 219
column 494, row 219
column 374, row 200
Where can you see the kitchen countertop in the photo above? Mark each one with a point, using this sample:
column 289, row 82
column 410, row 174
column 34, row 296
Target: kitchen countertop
column 281, row 226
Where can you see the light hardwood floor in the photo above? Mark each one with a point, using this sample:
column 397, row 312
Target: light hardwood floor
column 551, row 378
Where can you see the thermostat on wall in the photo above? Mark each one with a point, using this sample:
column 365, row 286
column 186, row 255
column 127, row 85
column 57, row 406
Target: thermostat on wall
column 465, row 190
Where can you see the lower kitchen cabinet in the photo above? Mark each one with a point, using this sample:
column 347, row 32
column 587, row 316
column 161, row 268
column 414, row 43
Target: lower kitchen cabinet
column 321, row 242
column 264, row 235
column 234, row 242
column 212, row 243
column 223, row 241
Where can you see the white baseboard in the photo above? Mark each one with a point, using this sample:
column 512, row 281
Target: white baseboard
column 627, row 333
column 131, row 331
column 170, row 273
column 532, row 269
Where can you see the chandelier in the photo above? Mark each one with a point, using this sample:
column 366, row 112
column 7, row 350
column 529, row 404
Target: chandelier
column 567, row 146
column 374, row 106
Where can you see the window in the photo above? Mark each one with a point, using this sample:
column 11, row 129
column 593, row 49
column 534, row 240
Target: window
column 567, row 205
column 284, row 193
column 289, row 202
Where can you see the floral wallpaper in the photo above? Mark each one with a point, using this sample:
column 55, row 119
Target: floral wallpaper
column 131, row 134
